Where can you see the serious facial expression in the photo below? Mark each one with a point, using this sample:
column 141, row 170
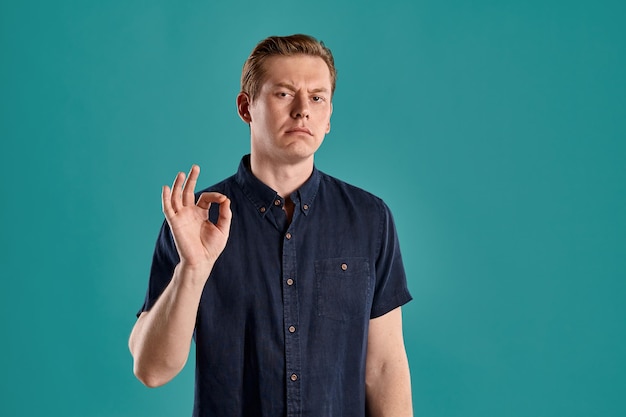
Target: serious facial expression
column 291, row 114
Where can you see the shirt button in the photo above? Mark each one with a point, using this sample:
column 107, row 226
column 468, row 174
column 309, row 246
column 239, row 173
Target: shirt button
column 292, row 329
column 306, row 207
column 277, row 202
column 344, row 266
column 288, row 235
column 289, row 281
column 293, row 377
column 262, row 209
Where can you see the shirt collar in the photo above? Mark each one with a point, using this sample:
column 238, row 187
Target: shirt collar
column 263, row 196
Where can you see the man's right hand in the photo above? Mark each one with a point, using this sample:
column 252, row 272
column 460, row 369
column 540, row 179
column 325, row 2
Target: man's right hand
column 161, row 337
column 199, row 242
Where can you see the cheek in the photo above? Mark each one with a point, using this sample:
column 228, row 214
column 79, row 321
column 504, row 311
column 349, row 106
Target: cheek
column 262, row 116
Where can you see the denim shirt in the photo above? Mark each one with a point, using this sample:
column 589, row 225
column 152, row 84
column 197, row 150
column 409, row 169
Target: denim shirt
column 283, row 319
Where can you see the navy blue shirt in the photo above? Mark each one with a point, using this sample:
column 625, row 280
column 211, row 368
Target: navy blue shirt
column 283, row 320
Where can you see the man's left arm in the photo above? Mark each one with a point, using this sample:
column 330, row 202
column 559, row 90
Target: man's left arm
column 387, row 378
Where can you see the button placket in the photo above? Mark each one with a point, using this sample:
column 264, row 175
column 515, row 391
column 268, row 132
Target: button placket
column 293, row 365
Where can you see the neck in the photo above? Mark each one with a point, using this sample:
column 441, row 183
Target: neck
column 284, row 178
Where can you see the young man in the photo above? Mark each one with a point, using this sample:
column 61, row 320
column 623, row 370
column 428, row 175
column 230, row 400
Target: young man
column 292, row 288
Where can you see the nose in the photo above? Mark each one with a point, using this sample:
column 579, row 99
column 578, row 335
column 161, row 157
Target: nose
column 300, row 108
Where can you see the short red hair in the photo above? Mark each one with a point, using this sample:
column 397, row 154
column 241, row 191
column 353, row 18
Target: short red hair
column 253, row 72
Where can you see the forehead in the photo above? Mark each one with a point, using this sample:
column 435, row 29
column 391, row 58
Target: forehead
column 296, row 70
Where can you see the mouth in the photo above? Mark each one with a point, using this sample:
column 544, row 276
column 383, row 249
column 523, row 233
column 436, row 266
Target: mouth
column 300, row 130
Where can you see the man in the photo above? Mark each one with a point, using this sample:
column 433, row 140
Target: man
column 292, row 288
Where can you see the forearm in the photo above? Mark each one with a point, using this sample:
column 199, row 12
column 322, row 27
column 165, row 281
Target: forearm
column 161, row 338
column 388, row 390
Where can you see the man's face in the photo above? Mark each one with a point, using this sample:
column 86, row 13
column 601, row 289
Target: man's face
column 291, row 114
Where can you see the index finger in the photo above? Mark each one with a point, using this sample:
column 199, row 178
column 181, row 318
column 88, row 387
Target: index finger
column 207, row 198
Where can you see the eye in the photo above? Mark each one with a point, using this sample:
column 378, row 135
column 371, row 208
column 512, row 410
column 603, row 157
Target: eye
column 317, row 98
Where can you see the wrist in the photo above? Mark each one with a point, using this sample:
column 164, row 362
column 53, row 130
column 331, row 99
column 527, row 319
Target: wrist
column 195, row 274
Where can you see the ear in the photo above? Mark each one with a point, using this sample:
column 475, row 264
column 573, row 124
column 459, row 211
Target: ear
column 331, row 113
column 243, row 107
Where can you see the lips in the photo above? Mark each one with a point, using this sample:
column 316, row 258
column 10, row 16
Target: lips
column 300, row 129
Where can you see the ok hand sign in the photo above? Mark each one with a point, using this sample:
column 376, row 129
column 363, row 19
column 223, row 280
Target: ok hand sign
column 198, row 241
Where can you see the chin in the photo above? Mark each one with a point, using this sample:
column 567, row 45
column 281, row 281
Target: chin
column 301, row 151
column 296, row 158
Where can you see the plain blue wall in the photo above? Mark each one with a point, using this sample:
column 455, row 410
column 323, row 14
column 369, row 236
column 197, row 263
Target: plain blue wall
column 495, row 130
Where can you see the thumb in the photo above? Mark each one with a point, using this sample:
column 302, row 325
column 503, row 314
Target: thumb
column 225, row 217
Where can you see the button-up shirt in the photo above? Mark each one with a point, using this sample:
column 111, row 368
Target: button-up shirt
column 283, row 320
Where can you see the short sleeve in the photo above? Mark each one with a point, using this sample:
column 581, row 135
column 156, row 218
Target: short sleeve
column 391, row 290
column 164, row 260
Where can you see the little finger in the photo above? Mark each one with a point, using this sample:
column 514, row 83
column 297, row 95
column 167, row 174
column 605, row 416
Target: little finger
column 166, row 202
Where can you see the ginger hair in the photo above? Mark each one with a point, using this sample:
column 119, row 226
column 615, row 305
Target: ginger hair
column 253, row 73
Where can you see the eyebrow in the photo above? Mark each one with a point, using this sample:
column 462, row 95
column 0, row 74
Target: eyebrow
column 291, row 87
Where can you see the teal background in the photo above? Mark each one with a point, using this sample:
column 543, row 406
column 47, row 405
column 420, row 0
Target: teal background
column 495, row 130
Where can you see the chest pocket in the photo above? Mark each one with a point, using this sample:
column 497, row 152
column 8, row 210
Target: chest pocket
column 343, row 286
